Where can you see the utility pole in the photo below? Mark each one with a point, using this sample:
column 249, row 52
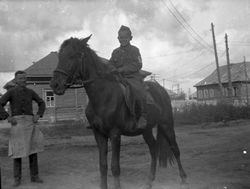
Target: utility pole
column 189, row 93
column 217, row 61
column 0, row 179
column 178, row 88
column 175, row 87
column 230, row 86
column 246, row 78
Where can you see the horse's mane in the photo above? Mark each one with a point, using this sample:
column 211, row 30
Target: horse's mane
column 74, row 42
column 99, row 62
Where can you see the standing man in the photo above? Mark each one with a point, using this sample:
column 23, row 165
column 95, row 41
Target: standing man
column 25, row 137
column 127, row 61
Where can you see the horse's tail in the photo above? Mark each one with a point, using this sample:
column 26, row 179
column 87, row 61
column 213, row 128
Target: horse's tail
column 164, row 152
column 165, row 128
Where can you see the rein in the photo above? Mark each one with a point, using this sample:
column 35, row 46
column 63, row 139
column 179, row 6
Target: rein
column 71, row 72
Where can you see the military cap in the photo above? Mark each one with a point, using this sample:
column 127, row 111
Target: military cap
column 125, row 28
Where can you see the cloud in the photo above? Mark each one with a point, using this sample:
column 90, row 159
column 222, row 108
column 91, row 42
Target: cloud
column 29, row 30
column 150, row 19
column 4, row 78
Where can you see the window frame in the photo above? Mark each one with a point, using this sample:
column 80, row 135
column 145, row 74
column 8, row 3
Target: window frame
column 211, row 93
column 200, row 94
column 206, row 93
column 46, row 97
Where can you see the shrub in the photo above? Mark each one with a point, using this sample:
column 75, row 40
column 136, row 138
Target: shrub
column 200, row 113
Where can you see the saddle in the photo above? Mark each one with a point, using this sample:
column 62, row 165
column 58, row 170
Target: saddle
column 144, row 73
column 130, row 99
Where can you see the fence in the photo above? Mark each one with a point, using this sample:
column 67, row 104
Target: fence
column 65, row 113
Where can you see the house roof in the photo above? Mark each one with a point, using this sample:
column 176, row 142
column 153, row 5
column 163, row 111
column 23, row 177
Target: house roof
column 43, row 67
column 237, row 74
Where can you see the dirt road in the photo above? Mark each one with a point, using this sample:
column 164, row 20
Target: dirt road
column 214, row 157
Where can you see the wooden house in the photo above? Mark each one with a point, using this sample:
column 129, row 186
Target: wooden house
column 69, row 106
column 208, row 90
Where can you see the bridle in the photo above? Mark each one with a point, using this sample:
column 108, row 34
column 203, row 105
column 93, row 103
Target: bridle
column 70, row 74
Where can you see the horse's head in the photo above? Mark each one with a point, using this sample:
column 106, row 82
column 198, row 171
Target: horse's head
column 69, row 66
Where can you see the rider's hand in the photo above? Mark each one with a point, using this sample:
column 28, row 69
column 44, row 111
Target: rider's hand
column 36, row 118
column 12, row 121
column 120, row 70
column 114, row 71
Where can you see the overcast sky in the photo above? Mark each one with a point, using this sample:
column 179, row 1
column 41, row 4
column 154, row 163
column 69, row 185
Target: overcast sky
column 174, row 36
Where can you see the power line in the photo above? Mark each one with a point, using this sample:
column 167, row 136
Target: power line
column 248, row 42
column 194, row 72
column 189, row 74
column 178, row 12
column 194, row 58
column 170, row 54
column 239, row 44
column 191, row 60
column 211, row 63
column 190, row 33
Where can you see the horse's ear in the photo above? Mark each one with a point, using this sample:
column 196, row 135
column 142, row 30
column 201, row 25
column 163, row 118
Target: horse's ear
column 85, row 40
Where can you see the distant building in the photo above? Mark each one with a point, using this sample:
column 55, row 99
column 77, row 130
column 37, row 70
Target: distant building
column 170, row 93
column 178, row 101
column 71, row 105
column 208, row 90
column 193, row 96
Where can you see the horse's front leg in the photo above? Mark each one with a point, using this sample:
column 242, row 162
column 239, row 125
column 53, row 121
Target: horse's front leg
column 102, row 142
column 115, row 138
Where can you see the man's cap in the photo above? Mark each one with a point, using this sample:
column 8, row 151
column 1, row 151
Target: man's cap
column 125, row 28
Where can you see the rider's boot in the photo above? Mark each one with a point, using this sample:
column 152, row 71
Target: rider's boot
column 142, row 122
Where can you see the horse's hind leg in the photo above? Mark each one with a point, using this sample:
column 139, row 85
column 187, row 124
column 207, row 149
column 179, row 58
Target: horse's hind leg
column 102, row 142
column 170, row 135
column 151, row 142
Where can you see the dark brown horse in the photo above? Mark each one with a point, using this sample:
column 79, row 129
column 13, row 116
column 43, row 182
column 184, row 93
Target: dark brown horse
column 108, row 113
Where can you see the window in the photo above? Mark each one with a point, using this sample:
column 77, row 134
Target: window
column 235, row 91
column 211, row 93
column 225, row 91
column 49, row 98
column 200, row 94
column 206, row 93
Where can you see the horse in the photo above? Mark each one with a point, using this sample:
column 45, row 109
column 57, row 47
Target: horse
column 108, row 113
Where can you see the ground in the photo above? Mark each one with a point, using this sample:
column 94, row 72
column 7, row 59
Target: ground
column 214, row 156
